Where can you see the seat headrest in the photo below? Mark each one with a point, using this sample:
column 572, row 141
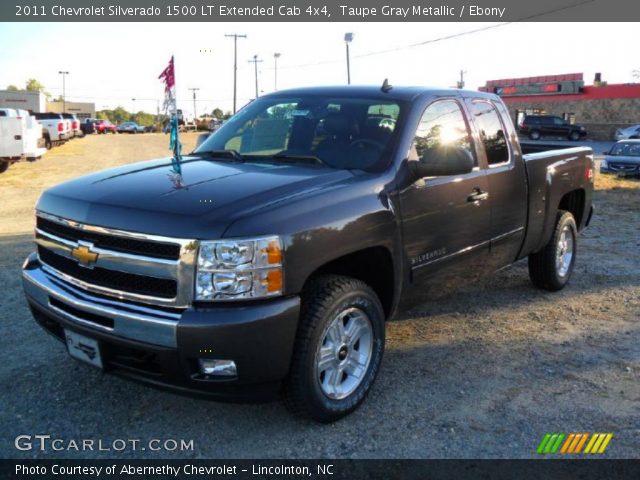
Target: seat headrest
column 337, row 124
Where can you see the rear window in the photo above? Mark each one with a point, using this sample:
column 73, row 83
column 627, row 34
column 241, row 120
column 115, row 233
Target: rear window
column 47, row 116
column 491, row 132
column 3, row 114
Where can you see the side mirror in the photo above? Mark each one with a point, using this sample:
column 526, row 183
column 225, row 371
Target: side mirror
column 442, row 162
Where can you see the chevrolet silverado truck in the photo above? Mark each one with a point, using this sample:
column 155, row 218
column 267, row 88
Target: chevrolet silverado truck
column 298, row 229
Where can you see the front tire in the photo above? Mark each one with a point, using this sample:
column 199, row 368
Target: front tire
column 534, row 135
column 574, row 136
column 339, row 348
column 551, row 267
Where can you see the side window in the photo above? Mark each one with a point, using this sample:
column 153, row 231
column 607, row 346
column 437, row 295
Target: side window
column 491, row 132
column 442, row 124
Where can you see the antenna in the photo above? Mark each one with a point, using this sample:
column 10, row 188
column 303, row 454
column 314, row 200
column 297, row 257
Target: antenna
column 385, row 86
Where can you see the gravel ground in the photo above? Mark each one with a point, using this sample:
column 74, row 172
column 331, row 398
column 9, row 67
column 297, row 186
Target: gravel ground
column 485, row 372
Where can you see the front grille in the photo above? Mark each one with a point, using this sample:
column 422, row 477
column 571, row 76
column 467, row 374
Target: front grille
column 109, row 242
column 81, row 314
column 112, row 279
column 623, row 167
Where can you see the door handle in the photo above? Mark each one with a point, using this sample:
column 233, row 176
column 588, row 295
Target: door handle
column 478, row 196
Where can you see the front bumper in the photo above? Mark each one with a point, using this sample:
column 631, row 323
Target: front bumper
column 162, row 347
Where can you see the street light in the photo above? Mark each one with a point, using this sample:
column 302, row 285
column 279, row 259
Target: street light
column 195, row 115
column 255, row 62
column 235, row 37
column 348, row 38
column 276, row 56
column 64, row 90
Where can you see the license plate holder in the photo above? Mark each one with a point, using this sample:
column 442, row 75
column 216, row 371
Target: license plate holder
column 82, row 348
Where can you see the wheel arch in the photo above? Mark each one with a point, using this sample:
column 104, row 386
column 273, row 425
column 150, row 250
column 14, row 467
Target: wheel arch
column 372, row 265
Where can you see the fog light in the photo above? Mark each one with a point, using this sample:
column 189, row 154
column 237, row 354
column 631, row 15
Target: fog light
column 222, row 368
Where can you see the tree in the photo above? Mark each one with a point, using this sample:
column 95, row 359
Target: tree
column 12, row 88
column 34, row 85
column 217, row 113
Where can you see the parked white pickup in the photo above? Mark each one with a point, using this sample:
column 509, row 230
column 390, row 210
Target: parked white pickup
column 56, row 128
column 20, row 137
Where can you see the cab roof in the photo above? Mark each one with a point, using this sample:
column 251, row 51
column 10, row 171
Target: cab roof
column 371, row 91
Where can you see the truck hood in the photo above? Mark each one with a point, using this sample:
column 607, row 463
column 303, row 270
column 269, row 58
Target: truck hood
column 142, row 197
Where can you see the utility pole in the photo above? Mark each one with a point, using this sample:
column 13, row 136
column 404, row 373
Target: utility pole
column 195, row 115
column 64, row 90
column 348, row 38
column 276, row 56
column 461, row 81
column 235, row 37
column 255, row 62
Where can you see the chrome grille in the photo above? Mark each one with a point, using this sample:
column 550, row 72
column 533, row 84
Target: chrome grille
column 129, row 266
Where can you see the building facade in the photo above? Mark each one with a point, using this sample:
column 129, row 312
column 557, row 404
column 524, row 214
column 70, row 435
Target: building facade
column 23, row 99
column 601, row 108
column 81, row 109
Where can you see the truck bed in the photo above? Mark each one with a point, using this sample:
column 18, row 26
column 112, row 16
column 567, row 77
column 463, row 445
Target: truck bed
column 556, row 175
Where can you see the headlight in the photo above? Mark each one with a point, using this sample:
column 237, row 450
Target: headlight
column 239, row 269
column 604, row 164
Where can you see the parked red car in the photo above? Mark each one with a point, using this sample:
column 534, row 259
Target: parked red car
column 104, row 126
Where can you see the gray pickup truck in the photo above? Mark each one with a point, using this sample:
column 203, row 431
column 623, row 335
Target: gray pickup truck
column 300, row 227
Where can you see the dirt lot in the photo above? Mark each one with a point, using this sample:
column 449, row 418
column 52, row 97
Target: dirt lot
column 485, row 372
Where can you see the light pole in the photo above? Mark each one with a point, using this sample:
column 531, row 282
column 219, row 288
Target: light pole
column 133, row 114
column 276, row 56
column 195, row 115
column 255, row 62
column 64, row 90
column 348, row 38
column 235, row 37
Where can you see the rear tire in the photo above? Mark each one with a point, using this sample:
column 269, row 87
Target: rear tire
column 47, row 143
column 551, row 267
column 339, row 348
column 4, row 166
column 574, row 136
column 534, row 135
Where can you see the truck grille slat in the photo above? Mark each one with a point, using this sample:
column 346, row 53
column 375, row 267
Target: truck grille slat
column 112, row 279
column 119, row 244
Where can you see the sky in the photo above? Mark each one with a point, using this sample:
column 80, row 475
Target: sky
column 112, row 63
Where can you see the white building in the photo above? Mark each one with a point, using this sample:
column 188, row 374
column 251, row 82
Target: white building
column 23, row 99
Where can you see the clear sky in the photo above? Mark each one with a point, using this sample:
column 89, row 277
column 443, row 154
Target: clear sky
column 111, row 63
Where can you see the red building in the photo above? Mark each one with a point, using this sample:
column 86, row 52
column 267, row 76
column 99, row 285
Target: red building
column 601, row 108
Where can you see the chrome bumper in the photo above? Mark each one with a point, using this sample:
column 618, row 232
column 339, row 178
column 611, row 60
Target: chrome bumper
column 130, row 321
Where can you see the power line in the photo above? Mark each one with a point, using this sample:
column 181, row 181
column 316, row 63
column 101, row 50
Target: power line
column 446, row 37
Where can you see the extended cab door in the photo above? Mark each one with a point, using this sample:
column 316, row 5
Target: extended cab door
column 446, row 220
column 506, row 177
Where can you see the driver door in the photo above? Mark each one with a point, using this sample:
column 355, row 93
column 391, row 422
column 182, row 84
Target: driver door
column 446, row 220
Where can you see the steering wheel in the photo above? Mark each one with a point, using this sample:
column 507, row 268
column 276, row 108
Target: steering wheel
column 367, row 142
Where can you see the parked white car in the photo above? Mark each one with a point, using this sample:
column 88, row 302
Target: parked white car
column 56, row 128
column 20, row 137
column 628, row 133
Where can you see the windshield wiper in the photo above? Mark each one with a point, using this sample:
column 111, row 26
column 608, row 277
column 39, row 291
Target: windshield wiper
column 234, row 154
column 312, row 159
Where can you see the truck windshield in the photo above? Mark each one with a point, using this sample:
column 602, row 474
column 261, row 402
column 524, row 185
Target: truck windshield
column 346, row 133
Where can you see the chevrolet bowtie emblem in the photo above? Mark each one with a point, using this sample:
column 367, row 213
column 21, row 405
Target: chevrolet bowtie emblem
column 84, row 255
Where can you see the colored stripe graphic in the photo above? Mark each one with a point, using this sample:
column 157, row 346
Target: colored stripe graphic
column 606, row 441
column 574, row 442
column 544, row 441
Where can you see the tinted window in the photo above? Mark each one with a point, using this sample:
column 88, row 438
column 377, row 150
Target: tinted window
column 3, row 114
column 491, row 132
column 559, row 121
column 442, row 124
